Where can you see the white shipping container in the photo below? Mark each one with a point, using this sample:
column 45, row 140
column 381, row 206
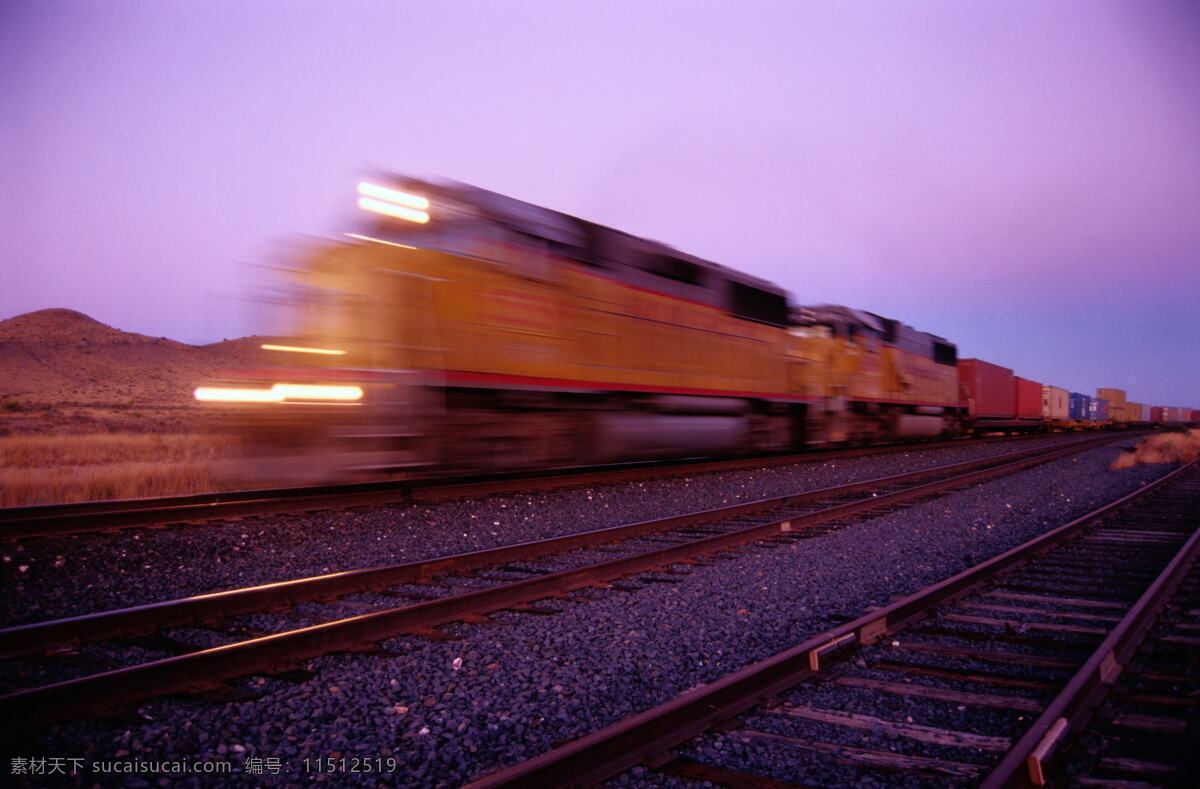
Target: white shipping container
column 1054, row 402
column 1145, row 412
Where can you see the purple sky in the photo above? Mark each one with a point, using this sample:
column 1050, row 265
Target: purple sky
column 1020, row 177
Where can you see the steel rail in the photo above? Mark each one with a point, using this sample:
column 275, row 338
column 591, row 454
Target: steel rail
column 136, row 620
column 1071, row 710
column 207, row 668
column 47, row 520
column 649, row 735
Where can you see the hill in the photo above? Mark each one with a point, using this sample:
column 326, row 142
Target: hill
column 61, row 358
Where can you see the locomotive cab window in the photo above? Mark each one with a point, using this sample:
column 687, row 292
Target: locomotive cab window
column 945, row 353
column 889, row 329
column 756, row 304
column 675, row 268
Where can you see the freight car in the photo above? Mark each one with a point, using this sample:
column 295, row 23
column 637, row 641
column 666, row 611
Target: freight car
column 998, row 400
column 460, row 329
column 1028, row 400
column 989, row 392
column 1170, row 416
column 1055, row 413
column 1080, row 409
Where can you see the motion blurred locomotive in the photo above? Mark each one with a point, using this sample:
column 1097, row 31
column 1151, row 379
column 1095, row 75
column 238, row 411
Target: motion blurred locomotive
column 465, row 330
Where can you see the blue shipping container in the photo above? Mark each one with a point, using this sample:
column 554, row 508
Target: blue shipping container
column 1099, row 409
column 1079, row 406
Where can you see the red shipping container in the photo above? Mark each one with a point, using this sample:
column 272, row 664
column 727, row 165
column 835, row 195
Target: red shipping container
column 1029, row 398
column 1195, row 417
column 1158, row 413
column 988, row 389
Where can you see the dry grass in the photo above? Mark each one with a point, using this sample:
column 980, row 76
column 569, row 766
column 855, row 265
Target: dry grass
column 86, row 467
column 103, row 448
column 22, row 487
column 1162, row 448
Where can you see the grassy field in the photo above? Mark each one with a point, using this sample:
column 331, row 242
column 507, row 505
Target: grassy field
column 48, row 469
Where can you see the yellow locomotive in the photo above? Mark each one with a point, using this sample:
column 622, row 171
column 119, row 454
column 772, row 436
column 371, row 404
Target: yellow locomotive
column 465, row 330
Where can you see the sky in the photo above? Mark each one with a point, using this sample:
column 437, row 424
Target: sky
column 1021, row 177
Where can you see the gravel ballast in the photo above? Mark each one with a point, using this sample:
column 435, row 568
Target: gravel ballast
column 49, row 578
column 445, row 711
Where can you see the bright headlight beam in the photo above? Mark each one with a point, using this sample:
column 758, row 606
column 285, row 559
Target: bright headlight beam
column 215, row 394
column 316, row 392
column 367, row 189
column 390, row 209
column 298, row 349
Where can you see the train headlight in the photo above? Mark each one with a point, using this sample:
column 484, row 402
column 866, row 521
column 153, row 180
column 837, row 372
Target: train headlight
column 392, row 202
column 214, row 394
column 299, row 349
column 317, row 392
column 312, row 393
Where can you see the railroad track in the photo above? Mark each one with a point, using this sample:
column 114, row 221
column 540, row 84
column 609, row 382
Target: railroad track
column 419, row 596
column 1150, row 719
column 49, row 520
column 985, row 679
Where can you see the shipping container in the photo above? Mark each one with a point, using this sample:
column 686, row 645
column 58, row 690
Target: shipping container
column 987, row 389
column 1079, row 407
column 1099, row 410
column 1146, row 412
column 1133, row 411
column 1113, row 396
column 1195, row 420
column 1178, row 415
column 1028, row 397
column 1054, row 404
column 1158, row 413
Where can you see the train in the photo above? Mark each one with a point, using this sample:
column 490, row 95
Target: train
column 458, row 329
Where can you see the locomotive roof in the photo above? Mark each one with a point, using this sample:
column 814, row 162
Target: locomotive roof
column 561, row 227
column 837, row 313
